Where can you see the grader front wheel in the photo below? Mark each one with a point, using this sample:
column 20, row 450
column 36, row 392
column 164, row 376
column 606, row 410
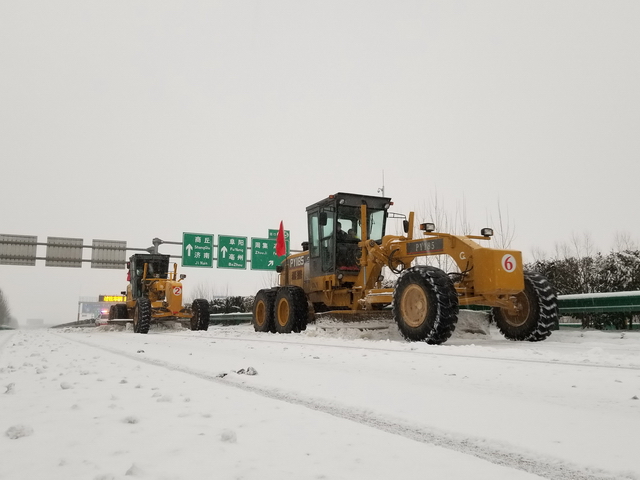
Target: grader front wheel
column 142, row 316
column 535, row 311
column 425, row 305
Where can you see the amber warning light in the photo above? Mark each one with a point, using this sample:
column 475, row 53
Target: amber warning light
column 112, row 298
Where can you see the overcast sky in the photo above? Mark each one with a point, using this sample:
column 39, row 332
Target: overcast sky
column 128, row 120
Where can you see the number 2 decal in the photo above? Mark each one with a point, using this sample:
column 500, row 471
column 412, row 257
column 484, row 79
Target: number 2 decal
column 509, row 263
column 177, row 290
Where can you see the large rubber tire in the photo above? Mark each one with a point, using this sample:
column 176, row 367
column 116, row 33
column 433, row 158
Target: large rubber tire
column 291, row 311
column 263, row 311
column 537, row 311
column 425, row 305
column 200, row 311
column 142, row 315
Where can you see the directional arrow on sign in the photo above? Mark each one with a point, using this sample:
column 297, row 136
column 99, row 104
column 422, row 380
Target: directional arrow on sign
column 263, row 254
column 232, row 252
column 197, row 250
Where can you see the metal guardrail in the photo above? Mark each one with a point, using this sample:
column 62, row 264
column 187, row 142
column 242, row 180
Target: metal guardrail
column 229, row 318
column 626, row 302
column 214, row 319
column 77, row 323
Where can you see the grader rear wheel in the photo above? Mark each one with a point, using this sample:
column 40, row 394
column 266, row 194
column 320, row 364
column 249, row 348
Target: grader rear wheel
column 291, row 310
column 425, row 305
column 535, row 311
column 263, row 305
column 200, row 318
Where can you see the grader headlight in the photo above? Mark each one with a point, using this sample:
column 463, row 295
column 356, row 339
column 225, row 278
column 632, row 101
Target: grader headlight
column 486, row 232
column 428, row 227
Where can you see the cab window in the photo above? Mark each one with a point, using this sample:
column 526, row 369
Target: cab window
column 314, row 235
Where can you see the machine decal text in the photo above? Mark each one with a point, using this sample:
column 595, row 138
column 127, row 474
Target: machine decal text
column 426, row 246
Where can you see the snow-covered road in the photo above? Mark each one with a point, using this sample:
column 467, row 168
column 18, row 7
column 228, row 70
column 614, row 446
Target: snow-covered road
column 103, row 404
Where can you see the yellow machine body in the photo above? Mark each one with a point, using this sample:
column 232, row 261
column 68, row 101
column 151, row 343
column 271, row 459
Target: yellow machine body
column 161, row 286
column 340, row 272
column 486, row 276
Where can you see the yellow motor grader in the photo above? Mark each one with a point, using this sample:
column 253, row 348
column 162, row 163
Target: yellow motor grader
column 340, row 271
column 154, row 294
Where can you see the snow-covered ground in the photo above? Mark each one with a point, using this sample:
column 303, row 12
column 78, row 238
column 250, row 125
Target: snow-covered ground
column 230, row 403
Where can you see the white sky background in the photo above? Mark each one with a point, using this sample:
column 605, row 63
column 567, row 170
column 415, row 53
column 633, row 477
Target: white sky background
column 134, row 120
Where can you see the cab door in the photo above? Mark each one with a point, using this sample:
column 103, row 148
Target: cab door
column 322, row 248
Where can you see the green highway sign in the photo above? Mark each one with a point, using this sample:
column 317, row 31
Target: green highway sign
column 232, row 252
column 197, row 250
column 273, row 234
column 263, row 254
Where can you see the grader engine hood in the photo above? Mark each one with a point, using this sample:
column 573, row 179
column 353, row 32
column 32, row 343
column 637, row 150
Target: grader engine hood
column 174, row 296
column 497, row 272
column 295, row 269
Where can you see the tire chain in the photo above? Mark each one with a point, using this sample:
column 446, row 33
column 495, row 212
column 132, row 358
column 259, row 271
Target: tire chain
column 547, row 305
column 446, row 302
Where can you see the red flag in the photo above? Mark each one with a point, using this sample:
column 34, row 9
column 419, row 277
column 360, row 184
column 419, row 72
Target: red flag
column 281, row 247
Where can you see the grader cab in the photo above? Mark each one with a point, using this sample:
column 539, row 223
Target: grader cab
column 341, row 267
column 154, row 295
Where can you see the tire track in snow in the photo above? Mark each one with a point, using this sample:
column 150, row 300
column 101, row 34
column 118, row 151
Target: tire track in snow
column 5, row 340
column 413, row 352
column 546, row 467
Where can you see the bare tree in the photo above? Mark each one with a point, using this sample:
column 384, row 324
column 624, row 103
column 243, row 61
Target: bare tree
column 435, row 211
column 461, row 221
column 201, row 290
column 624, row 242
column 582, row 246
column 582, row 255
column 504, row 231
column 5, row 312
column 538, row 255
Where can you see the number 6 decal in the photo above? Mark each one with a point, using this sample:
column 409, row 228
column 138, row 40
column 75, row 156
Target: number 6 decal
column 508, row 263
